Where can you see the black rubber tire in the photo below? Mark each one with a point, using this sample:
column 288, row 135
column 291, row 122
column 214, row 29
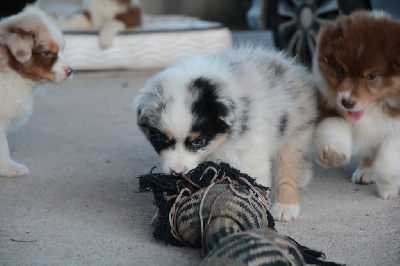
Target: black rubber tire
column 304, row 51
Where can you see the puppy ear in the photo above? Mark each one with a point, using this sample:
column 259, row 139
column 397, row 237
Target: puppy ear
column 327, row 34
column 139, row 104
column 20, row 44
column 140, row 113
column 229, row 116
column 141, row 117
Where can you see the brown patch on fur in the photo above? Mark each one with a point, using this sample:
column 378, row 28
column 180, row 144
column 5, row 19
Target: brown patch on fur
column 48, row 46
column 366, row 163
column 193, row 136
column 131, row 17
column 168, row 134
column 362, row 44
column 39, row 66
column 86, row 14
column 290, row 168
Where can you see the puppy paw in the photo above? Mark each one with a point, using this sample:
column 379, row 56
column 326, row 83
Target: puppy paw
column 285, row 212
column 363, row 176
column 12, row 169
column 388, row 192
column 332, row 157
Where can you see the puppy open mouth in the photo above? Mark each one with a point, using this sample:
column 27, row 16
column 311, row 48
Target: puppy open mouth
column 355, row 116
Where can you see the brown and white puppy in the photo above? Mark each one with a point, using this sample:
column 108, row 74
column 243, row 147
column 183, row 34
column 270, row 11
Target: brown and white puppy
column 30, row 53
column 107, row 16
column 357, row 66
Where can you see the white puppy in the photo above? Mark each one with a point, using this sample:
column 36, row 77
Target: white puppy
column 30, row 54
column 247, row 107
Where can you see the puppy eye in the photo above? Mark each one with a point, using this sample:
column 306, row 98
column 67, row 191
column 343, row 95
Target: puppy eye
column 198, row 143
column 342, row 72
column 47, row 54
column 371, row 77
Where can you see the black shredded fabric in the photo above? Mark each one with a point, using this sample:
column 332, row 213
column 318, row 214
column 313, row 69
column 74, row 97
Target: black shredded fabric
column 163, row 186
column 166, row 187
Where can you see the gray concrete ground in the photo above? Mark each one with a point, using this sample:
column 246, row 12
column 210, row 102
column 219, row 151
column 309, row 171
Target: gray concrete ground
column 80, row 206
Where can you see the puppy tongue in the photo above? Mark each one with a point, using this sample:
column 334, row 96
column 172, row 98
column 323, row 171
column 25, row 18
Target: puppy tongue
column 355, row 116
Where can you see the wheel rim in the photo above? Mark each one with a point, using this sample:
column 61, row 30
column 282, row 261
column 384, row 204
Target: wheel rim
column 298, row 24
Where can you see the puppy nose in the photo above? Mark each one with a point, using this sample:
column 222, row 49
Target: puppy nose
column 348, row 103
column 69, row 71
column 175, row 173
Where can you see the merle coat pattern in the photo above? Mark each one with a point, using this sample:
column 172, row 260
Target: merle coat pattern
column 245, row 106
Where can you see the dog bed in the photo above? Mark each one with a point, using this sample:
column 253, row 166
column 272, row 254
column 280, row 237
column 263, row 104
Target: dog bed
column 161, row 41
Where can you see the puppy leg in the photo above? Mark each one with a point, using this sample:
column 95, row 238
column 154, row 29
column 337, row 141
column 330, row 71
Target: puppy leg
column 294, row 172
column 364, row 173
column 387, row 168
column 333, row 137
column 7, row 166
column 108, row 31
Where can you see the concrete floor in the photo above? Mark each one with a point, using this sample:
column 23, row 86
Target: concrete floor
column 80, row 206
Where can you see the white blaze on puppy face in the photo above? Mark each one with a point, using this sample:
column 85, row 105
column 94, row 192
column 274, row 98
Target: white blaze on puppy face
column 184, row 121
column 179, row 159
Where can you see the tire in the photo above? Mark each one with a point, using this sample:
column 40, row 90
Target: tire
column 295, row 23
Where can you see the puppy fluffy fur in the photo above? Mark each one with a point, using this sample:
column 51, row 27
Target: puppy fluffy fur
column 30, row 53
column 247, row 107
column 357, row 67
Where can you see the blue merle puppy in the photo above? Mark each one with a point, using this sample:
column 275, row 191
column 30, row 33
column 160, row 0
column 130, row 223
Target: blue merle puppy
column 246, row 106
